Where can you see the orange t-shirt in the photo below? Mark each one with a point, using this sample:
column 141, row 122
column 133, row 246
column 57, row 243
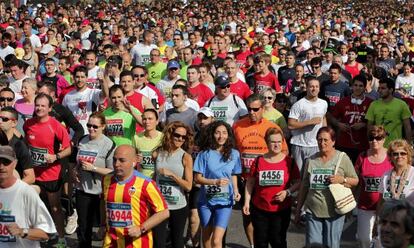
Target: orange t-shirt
column 250, row 141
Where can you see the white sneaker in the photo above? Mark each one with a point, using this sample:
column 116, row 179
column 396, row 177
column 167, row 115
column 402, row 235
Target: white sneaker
column 72, row 223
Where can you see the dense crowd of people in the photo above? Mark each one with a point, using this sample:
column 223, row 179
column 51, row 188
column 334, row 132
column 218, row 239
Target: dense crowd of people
column 140, row 117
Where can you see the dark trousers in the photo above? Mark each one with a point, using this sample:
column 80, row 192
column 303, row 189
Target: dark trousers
column 87, row 206
column 176, row 222
column 270, row 228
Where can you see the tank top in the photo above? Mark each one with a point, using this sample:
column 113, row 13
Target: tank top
column 172, row 192
column 353, row 70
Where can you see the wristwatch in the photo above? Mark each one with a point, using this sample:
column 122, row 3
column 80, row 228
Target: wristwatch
column 94, row 169
column 57, row 156
column 25, row 232
column 288, row 192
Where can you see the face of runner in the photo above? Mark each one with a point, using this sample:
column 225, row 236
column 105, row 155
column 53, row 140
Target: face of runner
column 27, row 90
column 334, row 75
column 127, row 83
column 7, row 122
column 123, row 162
column 140, row 77
column 325, row 142
column 204, row 121
column 255, row 110
column 6, row 99
column 221, row 135
column 392, row 230
column 178, row 98
column 231, row 70
column 42, row 107
column 269, row 98
column 95, row 127
column 6, row 169
column 358, row 89
column 80, row 80
column 384, row 91
column 192, row 75
column 90, row 61
column 117, row 99
column 299, row 71
column 179, row 136
column 149, row 121
column 313, row 88
column 274, row 143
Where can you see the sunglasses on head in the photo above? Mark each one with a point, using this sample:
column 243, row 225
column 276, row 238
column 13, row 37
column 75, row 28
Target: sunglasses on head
column 177, row 135
column 377, row 138
column 9, row 99
column 92, row 126
column 253, row 109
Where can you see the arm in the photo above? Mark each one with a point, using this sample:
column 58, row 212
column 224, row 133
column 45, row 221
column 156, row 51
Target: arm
column 146, row 102
column 86, row 166
column 200, row 179
column 295, row 124
column 51, row 158
column 407, row 130
column 248, row 194
column 151, row 222
column 28, row 176
column 71, row 122
column 235, row 188
column 34, row 234
column 187, row 182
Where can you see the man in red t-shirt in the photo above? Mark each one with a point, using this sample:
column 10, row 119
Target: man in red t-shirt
column 198, row 91
column 238, row 87
column 48, row 143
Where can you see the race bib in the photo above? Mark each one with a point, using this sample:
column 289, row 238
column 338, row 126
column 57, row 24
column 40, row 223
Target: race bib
column 387, row 194
column 372, row 184
column 119, row 214
column 87, row 156
column 271, row 177
column 5, row 236
column 115, row 127
column 320, row 178
column 38, row 156
column 261, row 87
column 148, row 162
column 333, row 97
column 220, row 113
column 170, row 190
column 93, row 83
column 214, row 192
column 146, row 59
column 247, row 160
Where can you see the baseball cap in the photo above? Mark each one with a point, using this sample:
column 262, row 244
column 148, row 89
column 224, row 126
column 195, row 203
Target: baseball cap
column 173, row 64
column 7, row 153
column 221, row 81
column 206, row 111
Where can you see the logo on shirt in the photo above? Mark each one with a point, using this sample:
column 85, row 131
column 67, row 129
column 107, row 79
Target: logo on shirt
column 132, row 190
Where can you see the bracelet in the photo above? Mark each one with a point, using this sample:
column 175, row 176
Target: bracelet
column 94, row 169
column 57, row 156
column 142, row 229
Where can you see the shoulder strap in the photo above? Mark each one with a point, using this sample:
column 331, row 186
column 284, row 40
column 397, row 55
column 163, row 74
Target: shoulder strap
column 209, row 101
column 110, row 150
column 235, row 101
column 338, row 162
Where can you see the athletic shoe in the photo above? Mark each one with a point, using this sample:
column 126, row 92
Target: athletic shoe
column 72, row 223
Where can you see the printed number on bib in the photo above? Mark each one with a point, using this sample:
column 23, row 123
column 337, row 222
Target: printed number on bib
column 247, row 160
column 213, row 191
column 5, row 236
column 271, row 177
column 119, row 214
column 147, row 161
column 115, row 127
column 320, row 178
column 372, row 184
column 170, row 191
column 38, row 156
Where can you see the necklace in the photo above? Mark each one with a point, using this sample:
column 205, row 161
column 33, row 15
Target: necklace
column 401, row 184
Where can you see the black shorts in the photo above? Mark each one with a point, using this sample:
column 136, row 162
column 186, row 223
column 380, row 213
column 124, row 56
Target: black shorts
column 193, row 197
column 50, row 186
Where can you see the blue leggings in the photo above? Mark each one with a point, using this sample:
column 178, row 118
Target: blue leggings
column 214, row 215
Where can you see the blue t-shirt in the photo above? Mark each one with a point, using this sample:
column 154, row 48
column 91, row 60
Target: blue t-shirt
column 210, row 165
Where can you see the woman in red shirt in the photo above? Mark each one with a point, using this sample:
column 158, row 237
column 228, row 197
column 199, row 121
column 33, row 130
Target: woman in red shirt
column 273, row 178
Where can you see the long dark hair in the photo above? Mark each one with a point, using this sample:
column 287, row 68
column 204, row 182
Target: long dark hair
column 211, row 143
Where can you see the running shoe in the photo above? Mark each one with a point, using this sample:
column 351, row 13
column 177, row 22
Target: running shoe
column 72, row 223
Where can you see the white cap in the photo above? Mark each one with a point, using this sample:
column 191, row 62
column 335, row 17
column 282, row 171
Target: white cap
column 206, row 111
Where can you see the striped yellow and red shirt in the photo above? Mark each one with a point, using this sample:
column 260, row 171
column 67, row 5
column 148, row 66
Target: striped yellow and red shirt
column 130, row 203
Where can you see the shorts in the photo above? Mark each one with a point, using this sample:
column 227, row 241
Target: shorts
column 216, row 216
column 193, row 197
column 50, row 186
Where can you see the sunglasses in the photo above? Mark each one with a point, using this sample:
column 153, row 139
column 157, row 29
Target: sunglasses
column 268, row 97
column 5, row 161
column 225, row 87
column 243, row 44
column 282, row 54
column 6, row 119
column 377, row 138
column 178, row 136
column 106, row 34
column 139, row 75
column 315, row 67
column 9, row 99
column 92, row 126
column 253, row 109
column 399, row 154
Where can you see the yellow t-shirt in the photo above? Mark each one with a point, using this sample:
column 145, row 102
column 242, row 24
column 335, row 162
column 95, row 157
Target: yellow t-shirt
column 146, row 146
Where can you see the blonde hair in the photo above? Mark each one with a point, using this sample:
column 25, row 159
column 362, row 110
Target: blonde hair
column 31, row 82
column 400, row 143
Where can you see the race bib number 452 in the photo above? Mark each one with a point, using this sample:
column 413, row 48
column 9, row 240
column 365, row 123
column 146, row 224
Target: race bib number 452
column 320, row 178
column 119, row 214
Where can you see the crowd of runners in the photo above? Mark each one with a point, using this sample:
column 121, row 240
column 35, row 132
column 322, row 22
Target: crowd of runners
column 142, row 118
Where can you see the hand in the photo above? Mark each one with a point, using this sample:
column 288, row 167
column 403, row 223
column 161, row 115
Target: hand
column 134, row 231
column 166, row 172
column 221, row 182
column 75, row 174
column 281, row 196
column 86, row 166
column 343, row 127
column 316, row 120
column 50, row 158
column 127, row 105
column 14, row 229
column 358, row 126
column 336, row 179
column 246, row 209
column 237, row 196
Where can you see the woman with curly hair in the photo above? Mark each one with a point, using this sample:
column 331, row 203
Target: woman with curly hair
column 216, row 169
column 174, row 175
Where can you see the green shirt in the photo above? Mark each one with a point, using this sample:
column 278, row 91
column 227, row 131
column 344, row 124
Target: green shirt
column 120, row 126
column 183, row 70
column 146, row 146
column 156, row 72
column 389, row 114
column 276, row 117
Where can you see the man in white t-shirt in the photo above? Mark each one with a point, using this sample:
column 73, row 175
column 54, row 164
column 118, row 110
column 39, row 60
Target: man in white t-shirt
column 140, row 53
column 82, row 101
column 165, row 85
column 24, row 218
column 34, row 39
column 18, row 75
column 305, row 118
column 225, row 105
column 5, row 49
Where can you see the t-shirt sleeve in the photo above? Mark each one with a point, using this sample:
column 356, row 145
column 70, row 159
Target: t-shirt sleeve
column 200, row 163
column 155, row 199
column 405, row 111
column 237, row 166
column 294, row 112
column 349, row 170
column 62, row 135
column 370, row 112
column 39, row 216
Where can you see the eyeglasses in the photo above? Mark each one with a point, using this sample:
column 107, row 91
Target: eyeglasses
column 92, row 126
column 106, row 34
column 377, row 138
column 268, row 97
column 6, row 119
column 315, row 67
column 282, row 54
column 243, row 44
column 253, row 109
column 178, row 136
column 9, row 99
column 63, row 51
column 399, row 154
column 5, row 161
column 139, row 75
column 225, row 86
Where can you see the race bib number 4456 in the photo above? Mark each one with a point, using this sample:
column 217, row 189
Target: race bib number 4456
column 119, row 214
column 320, row 178
column 271, row 177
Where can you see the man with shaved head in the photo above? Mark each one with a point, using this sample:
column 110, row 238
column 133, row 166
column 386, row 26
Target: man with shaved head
column 133, row 203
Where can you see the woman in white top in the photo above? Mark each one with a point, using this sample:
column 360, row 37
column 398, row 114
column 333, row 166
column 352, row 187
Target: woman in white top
column 405, row 81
